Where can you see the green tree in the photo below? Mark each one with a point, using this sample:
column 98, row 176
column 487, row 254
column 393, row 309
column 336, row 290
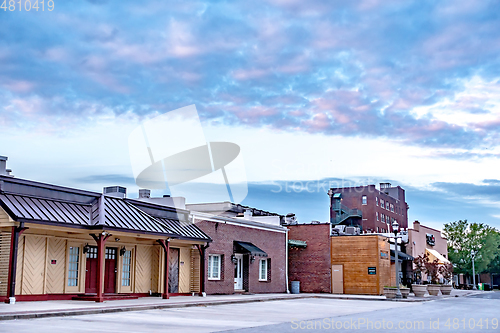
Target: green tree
column 463, row 237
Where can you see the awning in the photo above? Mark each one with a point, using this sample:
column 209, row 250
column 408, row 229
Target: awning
column 433, row 254
column 248, row 248
column 297, row 243
column 401, row 256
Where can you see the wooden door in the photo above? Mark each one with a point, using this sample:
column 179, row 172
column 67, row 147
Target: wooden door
column 91, row 274
column 337, row 279
column 110, row 270
column 173, row 271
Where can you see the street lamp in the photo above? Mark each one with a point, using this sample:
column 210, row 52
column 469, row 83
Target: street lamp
column 473, row 255
column 395, row 229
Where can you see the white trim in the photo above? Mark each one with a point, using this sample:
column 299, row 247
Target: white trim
column 210, row 256
column 260, row 269
column 229, row 220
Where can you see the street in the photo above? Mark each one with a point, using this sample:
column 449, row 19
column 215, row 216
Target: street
column 462, row 314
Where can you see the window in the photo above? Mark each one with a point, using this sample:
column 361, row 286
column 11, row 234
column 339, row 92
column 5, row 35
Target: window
column 381, row 203
column 387, row 205
column 376, row 214
column 392, row 208
column 376, row 201
column 363, row 199
column 74, row 260
column 263, row 270
column 214, row 266
column 127, row 257
column 382, row 217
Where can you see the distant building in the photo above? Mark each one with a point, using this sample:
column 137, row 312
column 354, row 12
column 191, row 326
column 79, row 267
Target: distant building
column 373, row 210
column 422, row 239
column 344, row 264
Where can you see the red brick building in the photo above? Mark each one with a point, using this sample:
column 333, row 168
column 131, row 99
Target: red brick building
column 311, row 265
column 356, row 264
column 373, row 210
column 248, row 254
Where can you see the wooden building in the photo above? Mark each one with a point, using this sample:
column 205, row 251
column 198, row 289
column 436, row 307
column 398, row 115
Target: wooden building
column 343, row 264
column 64, row 243
column 360, row 264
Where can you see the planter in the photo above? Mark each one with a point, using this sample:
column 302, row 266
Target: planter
column 405, row 292
column 433, row 289
column 419, row 290
column 390, row 293
column 446, row 289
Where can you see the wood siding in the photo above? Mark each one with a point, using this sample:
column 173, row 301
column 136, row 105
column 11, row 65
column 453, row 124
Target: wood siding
column 144, row 269
column 356, row 254
column 4, row 261
column 195, row 271
column 34, row 265
column 20, row 265
column 56, row 271
column 156, row 267
column 185, row 270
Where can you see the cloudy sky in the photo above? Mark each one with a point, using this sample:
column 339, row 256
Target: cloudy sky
column 312, row 91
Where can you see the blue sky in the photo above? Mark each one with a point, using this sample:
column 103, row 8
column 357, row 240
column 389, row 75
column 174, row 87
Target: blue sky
column 367, row 91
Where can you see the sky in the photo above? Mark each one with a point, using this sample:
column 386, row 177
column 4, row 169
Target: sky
column 314, row 93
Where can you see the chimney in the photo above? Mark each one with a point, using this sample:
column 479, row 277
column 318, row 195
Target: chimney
column 144, row 194
column 416, row 226
column 115, row 191
column 3, row 166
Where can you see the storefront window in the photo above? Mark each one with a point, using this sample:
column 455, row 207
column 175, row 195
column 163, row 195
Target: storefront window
column 127, row 257
column 74, row 259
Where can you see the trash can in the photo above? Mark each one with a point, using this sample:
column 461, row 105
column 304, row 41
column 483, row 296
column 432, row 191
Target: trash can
column 295, row 287
column 487, row 287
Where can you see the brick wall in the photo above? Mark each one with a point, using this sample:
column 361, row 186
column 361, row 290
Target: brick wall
column 273, row 243
column 311, row 265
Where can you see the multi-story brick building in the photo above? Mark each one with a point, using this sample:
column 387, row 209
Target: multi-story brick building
column 373, row 210
column 248, row 252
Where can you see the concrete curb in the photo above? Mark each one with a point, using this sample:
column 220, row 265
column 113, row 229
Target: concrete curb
column 112, row 309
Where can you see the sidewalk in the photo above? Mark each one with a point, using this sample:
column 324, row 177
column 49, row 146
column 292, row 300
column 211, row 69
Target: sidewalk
column 28, row 310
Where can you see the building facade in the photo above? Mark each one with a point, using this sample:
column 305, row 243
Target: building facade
column 339, row 264
column 63, row 243
column 248, row 253
column 426, row 240
column 373, row 210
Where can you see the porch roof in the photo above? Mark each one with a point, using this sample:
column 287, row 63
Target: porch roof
column 118, row 214
column 245, row 247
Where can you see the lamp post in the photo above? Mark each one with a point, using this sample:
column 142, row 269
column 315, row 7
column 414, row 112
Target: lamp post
column 473, row 255
column 395, row 229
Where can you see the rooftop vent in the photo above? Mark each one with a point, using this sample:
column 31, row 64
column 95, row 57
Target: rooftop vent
column 247, row 213
column 115, row 191
column 3, row 167
column 143, row 193
column 385, row 185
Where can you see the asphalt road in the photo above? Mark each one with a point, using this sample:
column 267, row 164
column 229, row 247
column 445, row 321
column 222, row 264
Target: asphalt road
column 463, row 314
column 479, row 313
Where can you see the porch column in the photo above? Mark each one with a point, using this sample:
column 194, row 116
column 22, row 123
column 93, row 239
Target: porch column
column 166, row 247
column 101, row 242
column 14, row 243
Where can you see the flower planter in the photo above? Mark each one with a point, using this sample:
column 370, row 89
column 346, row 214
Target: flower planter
column 446, row 289
column 433, row 289
column 405, row 292
column 390, row 293
column 419, row 290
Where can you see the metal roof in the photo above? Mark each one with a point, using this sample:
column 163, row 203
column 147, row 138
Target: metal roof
column 186, row 229
column 246, row 247
column 41, row 209
column 118, row 214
